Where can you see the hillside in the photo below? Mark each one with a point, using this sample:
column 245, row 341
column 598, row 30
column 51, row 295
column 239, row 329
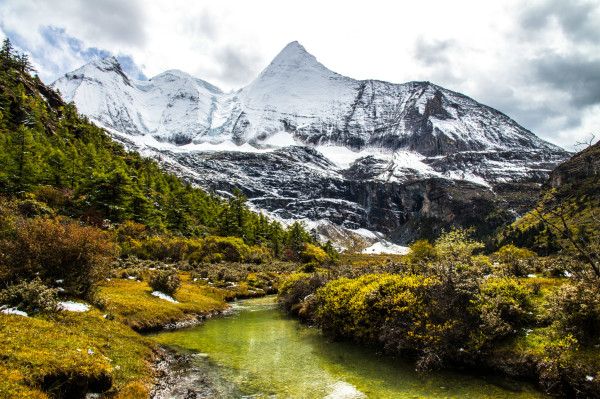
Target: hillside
column 568, row 214
column 97, row 243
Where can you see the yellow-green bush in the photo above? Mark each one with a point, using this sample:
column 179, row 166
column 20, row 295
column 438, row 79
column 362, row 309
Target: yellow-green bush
column 159, row 248
column 441, row 319
column 259, row 254
column 313, row 255
column 575, row 308
column 514, row 259
column 232, row 249
column 421, row 251
column 360, row 308
column 297, row 288
column 457, row 245
column 503, row 305
column 212, row 249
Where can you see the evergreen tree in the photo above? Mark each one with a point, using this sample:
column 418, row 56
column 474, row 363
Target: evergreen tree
column 297, row 237
column 46, row 148
column 7, row 50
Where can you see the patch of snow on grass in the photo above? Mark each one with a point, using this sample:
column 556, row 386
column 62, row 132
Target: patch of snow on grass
column 71, row 306
column 164, row 296
column 6, row 310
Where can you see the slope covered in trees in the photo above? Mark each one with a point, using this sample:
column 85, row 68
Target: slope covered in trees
column 568, row 213
column 54, row 164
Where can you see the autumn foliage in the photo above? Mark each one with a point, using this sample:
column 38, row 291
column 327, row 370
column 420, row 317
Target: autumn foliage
column 57, row 250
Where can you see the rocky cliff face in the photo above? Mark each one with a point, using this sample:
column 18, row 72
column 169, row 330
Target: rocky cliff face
column 302, row 141
column 583, row 165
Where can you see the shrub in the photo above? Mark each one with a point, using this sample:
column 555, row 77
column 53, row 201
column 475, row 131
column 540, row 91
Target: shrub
column 364, row 307
column 289, row 255
column 259, row 254
column 313, row 255
column 297, row 288
column 126, row 233
column 30, row 207
column 158, row 248
column 514, row 258
column 30, row 296
column 166, row 281
column 503, row 305
column 53, row 197
column 457, row 245
column 421, row 251
column 440, row 321
column 231, row 249
column 259, row 280
column 576, row 310
column 56, row 249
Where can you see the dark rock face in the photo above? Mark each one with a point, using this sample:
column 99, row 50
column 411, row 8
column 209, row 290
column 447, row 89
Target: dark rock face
column 298, row 182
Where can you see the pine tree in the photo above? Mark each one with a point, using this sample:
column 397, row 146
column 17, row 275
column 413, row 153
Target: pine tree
column 6, row 53
column 296, row 237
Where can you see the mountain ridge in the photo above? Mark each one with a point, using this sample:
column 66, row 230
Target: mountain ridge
column 301, row 93
column 370, row 131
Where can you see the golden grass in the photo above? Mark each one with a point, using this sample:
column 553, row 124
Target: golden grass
column 12, row 384
column 35, row 350
column 132, row 303
column 40, row 354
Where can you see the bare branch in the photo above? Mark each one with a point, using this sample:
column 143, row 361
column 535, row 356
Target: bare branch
column 586, row 143
column 566, row 232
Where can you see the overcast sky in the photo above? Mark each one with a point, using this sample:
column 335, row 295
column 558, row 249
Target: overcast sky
column 536, row 61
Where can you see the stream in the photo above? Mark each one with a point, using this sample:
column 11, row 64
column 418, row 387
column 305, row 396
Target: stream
column 256, row 352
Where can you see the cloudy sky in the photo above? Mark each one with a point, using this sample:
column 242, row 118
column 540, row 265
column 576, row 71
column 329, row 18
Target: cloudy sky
column 536, row 60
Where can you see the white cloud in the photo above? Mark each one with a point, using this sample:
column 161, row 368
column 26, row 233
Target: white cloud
column 510, row 55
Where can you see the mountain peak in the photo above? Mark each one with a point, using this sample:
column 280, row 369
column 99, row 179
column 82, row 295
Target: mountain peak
column 107, row 64
column 294, row 49
column 294, row 58
column 173, row 75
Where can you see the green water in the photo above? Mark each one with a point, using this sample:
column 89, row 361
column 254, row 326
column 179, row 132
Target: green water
column 266, row 354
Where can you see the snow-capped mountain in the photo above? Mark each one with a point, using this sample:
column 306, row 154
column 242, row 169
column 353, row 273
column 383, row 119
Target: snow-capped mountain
column 305, row 142
column 298, row 95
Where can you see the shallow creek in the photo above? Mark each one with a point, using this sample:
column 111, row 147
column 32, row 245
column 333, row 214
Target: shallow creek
column 256, row 351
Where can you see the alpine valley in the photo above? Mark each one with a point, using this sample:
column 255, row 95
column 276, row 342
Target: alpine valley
column 365, row 162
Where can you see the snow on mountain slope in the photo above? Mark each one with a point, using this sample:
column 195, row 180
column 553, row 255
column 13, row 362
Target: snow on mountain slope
column 303, row 142
column 172, row 106
column 296, row 94
column 294, row 91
